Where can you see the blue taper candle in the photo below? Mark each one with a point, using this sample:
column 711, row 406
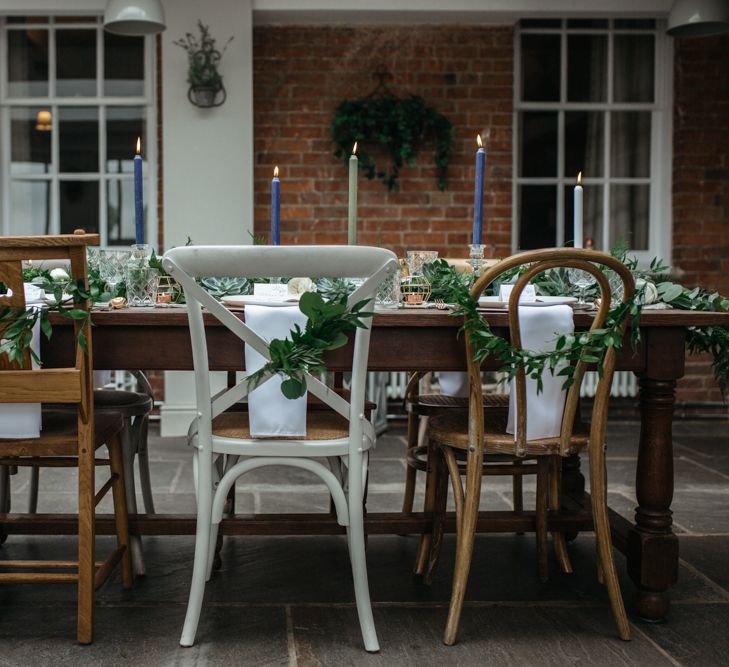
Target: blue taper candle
column 138, row 195
column 478, row 193
column 275, row 209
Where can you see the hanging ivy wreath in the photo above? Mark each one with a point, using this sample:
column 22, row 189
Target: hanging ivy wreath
column 400, row 125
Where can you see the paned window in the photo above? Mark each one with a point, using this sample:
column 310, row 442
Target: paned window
column 73, row 100
column 593, row 96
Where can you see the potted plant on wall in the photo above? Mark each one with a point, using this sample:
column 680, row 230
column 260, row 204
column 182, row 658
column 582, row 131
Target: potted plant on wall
column 206, row 83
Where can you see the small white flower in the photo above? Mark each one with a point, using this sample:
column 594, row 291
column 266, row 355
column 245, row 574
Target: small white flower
column 59, row 275
column 297, row 286
column 649, row 291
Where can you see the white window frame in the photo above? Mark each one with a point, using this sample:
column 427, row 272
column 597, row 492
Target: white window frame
column 100, row 102
column 661, row 153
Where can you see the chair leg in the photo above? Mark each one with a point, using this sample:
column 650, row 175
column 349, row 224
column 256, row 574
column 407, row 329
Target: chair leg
column 558, row 539
column 356, row 542
column 440, row 484
column 410, row 472
column 4, row 496
column 598, row 493
column 145, row 479
column 421, row 560
column 202, row 539
column 33, row 490
column 121, row 517
column 517, row 491
column 541, row 517
column 465, row 539
column 127, row 453
column 86, row 515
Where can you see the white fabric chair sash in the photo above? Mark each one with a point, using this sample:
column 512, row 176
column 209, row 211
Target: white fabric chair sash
column 540, row 328
column 270, row 412
column 453, row 383
column 23, row 420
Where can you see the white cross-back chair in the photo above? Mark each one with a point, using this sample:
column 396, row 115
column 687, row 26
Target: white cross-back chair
column 341, row 434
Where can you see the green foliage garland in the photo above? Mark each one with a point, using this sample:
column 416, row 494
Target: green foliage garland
column 397, row 124
column 18, row 333
column 303, row 352
column 588, row 346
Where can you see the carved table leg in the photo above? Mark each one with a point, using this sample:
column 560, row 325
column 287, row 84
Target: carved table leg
column 652, row 546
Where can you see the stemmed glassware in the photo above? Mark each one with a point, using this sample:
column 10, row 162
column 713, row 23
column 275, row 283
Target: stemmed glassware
column 112, row 265
column 582, row 280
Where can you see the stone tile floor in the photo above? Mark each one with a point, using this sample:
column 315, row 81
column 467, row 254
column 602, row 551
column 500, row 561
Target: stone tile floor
column 288, row 601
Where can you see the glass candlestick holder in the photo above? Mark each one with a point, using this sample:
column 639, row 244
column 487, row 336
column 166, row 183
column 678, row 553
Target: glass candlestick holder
column 141, row 279
column 475, row 257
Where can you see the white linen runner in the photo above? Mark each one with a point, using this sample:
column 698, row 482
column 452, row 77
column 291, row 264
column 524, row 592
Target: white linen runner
column 540, row 328
column 270, row 412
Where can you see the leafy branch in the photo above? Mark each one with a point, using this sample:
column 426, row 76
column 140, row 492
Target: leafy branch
column 589, row 346
column 327, row 327
column 17, row 324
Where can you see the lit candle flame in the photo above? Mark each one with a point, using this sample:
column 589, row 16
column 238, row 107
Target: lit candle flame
column 579, row 178
column 275, row 171
column 354, row 149
column 478, row 141
column 139, row 145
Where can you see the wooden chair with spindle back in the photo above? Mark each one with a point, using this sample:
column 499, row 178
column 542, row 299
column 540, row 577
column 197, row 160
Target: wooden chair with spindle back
column 473, row 436
column 66, row 439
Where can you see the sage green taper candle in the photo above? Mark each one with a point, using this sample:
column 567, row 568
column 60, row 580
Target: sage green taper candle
column 352, row 217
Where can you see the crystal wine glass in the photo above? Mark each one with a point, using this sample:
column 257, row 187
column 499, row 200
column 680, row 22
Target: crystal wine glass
column 582, row 280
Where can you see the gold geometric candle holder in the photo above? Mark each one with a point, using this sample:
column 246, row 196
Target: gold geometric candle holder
column 415, row 290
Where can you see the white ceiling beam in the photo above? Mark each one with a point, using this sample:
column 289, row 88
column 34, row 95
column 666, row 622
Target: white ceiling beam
column 382, row 11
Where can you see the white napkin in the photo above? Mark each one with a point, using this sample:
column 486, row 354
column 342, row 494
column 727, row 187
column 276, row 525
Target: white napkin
column 270, row 412
column 540, row 328
column 22, row 420
column 453, row 383
column 33, row 293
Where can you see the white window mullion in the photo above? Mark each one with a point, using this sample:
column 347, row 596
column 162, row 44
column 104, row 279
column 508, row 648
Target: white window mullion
column 606, row 187
column 55, row 186
column 560, row 222
column 606, row 240
column 515, row 166
column 103, row 208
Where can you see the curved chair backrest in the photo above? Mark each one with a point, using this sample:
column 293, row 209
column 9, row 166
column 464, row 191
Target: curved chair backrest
column 536, row 262
column 372, row 265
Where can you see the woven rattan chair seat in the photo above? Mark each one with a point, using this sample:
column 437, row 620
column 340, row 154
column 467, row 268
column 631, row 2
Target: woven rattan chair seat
column 429, row 405
column 320, row 425
column 452, row 430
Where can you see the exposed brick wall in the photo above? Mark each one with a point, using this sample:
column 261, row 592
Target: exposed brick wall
column 301, row 74
column 701, row 182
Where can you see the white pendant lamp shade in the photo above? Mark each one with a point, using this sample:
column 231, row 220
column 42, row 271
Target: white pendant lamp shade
column 134, row 17
column 696, row 18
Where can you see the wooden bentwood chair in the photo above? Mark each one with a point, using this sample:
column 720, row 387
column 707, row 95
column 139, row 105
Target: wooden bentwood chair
column 475, row 436
column 341, row 433
column 67, row 439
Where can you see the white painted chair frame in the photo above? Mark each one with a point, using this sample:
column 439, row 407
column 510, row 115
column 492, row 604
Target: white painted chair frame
column 214, row 478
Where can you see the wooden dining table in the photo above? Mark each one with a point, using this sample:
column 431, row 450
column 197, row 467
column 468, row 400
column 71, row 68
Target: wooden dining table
column 410, row 340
